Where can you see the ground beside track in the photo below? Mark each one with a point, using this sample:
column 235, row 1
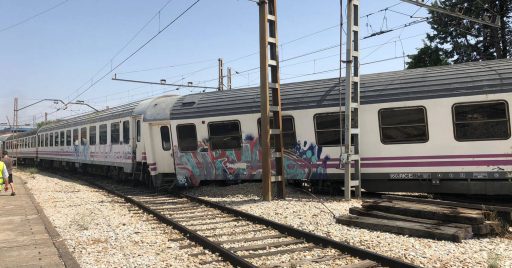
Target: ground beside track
column 305, row 212
column 101, row 230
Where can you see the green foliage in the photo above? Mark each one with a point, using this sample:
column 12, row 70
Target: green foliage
column 459, row 40
column 427, row 56
column 44, row 123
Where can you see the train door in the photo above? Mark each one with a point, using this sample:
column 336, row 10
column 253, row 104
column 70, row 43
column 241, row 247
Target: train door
column 161, row 148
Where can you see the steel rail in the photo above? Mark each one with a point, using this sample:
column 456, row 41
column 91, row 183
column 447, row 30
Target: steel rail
column 308, row 236
column 192, row 235
column 237, row 260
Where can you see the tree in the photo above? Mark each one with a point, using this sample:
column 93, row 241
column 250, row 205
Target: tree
column 462, row 40
column 45, row 123
column 428, row 55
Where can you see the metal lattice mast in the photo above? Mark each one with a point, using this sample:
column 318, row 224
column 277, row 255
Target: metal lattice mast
column 221, row 75
column 269, row 80
column 350, row 156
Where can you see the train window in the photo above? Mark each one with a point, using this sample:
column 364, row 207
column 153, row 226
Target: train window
column 83, row 136
column 92, row 135
column 327, row 129
column 51, row 139
column 114, row 133
column 68, row 137
column 224, row 135
column 41, row 144
column 403, row 125
column 126, row 132
column 62, row 138
column 187, row 137
column 481, row 121
column 289, row 137
column 103, row 134
column 166, row 138
column 138, row 130
column 46, row 140
column 56, row 137
column 75, row 136
column 34, row 144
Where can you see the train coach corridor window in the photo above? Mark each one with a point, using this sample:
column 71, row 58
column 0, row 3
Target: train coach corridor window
column 92, row 135
column 75, row 136
column 51, row 139
column 83, row 136
column 224, row 135
column 166, row 138
column 68, row 137
column 103, row 134
column 138, row 130
column 481, row 121
column 403, row 125
column 62, row 138
column 327, row 129
column 56, row 139
column 187, row 137
column 126, row 132
column 46, row 140
column 114, row 133
column 289, row 136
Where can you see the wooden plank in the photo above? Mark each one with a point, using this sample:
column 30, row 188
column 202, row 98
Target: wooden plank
column 441, row 213
column 405, row 228
column 235, row 232
column 361, row 264
column 305, row 261
column 448, row 203
column 310, row 261
column 213, row 222
column 267, row 245
column 249, row 239
column 201, row 216
column 381, row 215
column 277, row 252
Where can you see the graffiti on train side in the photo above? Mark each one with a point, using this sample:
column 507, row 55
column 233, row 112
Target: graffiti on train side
column 302, row 162
column 107, row 152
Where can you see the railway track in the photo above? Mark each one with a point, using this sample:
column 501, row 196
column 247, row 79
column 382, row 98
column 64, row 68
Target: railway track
column 243, row 239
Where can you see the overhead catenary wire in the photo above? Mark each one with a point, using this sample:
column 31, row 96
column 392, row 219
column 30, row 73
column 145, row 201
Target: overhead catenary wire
column 33, row 16
column 137, row 50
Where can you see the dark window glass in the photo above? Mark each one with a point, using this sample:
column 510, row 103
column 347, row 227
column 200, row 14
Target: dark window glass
column 92, row 135
column 62, row 138
column 46, row 140
column 56, row 137
column 327, row 129
column 103, row 134
column 225, row 135
column 83, row 136
column 126, row 132
column 51, row 139
column 138, row 130
column 187, row 137
column 166, row 138
column 114, row 133
column 75, row 136
column 289, row 137
column 481, row 121
column 68, row 137
column 41, row 140
column 403, row 125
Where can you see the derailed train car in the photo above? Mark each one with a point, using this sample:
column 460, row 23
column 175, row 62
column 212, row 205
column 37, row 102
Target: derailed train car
column 435, row 130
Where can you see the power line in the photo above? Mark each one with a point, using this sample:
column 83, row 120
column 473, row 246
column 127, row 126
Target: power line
column 138, row 49
column 33, row 16
column 122, row 48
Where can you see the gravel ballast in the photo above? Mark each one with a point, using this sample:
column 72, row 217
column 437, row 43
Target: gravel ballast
column 302, row 211
column 103, row 231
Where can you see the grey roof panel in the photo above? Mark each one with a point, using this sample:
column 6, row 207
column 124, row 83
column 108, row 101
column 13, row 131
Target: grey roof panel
column 418, row 84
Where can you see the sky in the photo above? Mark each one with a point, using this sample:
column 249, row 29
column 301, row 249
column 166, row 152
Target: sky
column 70, row 49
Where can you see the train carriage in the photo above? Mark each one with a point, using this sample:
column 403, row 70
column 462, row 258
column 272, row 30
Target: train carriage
column 436, row 130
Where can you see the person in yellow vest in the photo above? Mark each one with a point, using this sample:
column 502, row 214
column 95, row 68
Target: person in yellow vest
column 8, row 165
column 3, row 171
